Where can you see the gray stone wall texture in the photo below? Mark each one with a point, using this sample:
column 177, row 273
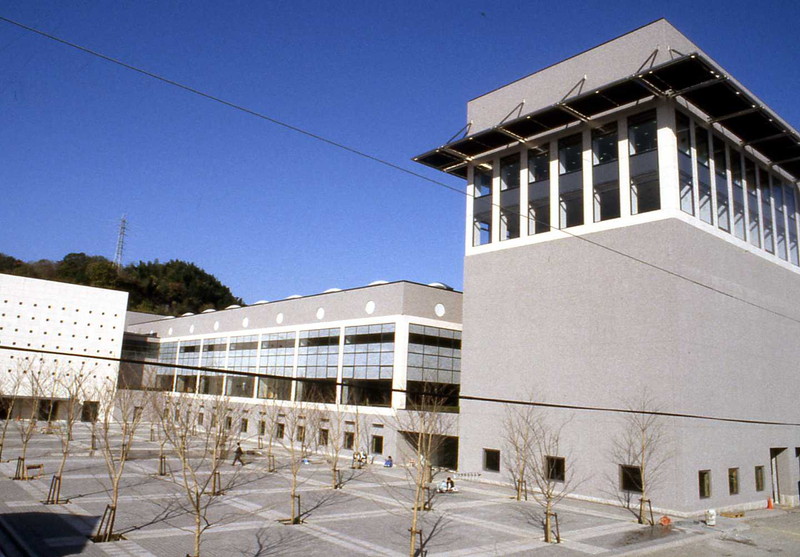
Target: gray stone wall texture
column 570, row 323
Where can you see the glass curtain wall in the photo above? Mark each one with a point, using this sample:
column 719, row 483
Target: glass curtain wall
column 277, row 363
column 242, row 356
column 539, row 190
column 165, row 375
column 188, row 355
column 434, row 367
column 368, row 364
column 214, row 353
column 317, row 363
column 643, row 151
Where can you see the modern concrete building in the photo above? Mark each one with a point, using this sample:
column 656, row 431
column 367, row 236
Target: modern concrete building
column 57, row 330
column 370, row 352
column 632, row 226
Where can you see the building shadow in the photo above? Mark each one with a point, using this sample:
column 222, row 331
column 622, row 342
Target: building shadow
column 50, row 534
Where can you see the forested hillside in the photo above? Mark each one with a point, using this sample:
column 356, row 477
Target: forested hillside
column 170, row 288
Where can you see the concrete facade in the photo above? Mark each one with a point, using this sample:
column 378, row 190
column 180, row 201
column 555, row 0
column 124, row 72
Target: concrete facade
column 58, row 329
column 377, row 345
column 632, row 230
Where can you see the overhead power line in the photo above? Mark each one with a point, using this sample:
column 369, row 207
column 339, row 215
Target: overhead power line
column 384, row 162
column 494, row 400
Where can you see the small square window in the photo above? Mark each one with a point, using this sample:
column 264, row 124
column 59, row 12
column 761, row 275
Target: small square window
column 555, row 468
column 349, row 440
column 279, row 431
column 704, row 483
column 491, row 460
column 323, row 437
column 630, row 478
column 759, row 478
column 733, row 481
column 377, row 444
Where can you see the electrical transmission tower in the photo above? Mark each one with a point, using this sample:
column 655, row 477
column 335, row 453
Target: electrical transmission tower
column 123, row 225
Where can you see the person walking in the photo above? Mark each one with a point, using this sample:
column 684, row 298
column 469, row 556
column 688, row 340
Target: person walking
column 237, row 455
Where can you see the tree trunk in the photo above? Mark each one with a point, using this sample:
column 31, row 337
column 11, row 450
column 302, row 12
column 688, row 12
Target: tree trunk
column 548, row 536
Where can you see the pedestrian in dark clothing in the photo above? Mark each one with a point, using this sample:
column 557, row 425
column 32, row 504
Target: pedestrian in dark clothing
column 237, row 455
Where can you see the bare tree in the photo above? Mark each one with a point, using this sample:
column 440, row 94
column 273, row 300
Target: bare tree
column 34, row 378
column 534, row 440
column 10, row 386
column 120, row 417
column 269, row 412
column 71, row 386
column 331, row 441
column 423, row 427
column 300, row 424
column 643, row 449
column 201, row 450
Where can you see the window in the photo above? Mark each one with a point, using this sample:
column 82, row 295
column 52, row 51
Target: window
column 682, row 124
column 368, row 360
column 759, row 478
column 509, row 172
column 754, row 229
column 275, row 388
column 721, row 184
column 377, row 444
column 228, row 423
column 701, row 145
column 262, row 427
column 491, row 460
column 642, row 133
column 606, row 201
column 738, row 195
column 482, row 230
column 280, row 430
column 570, row 152
column 538, row 165
column 323, row 437
column 571, row 208
column 604, row 145
column 244, row 425
column 200, row 418
column 483, row 180
column 645, row 193
column 766, row 210
column 704, row 483
column 630, row 478
column 509, row 223
column 733, row 481
column 642, row 142
column 555, row 468
column 300, row 434
column 349, row 440
column 687, row 195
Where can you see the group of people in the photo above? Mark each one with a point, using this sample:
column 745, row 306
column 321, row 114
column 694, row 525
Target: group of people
column 359, row 459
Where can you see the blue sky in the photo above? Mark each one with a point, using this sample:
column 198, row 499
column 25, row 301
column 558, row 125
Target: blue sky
column 268, row 211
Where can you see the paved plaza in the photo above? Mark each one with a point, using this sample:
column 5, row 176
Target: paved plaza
column 369, row 516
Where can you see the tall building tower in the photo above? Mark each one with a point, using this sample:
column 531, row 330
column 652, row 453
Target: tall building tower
column 632, row 234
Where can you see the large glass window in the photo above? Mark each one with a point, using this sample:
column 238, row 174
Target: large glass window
column 642, row 133
column 570, row 154
column 277, row 362
column 483, row 180
column 754, row 223
column 509, row 222
column 766, row 210
column 317, row 362
column 605, row 175
column 509, row 172
column 434, row 367
column 721, row 184
column 482, row 229
column 242, row 355
column 738, row 195
column 791, row 215
column 683, row 125
column 188, row 355
column 214, row 353
column 643, row 143
column 165, row 374
column 539, row 191
column 368, row 365
column 780, row 223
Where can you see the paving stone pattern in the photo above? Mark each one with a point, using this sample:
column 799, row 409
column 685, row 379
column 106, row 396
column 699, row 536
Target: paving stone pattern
column 369, row 516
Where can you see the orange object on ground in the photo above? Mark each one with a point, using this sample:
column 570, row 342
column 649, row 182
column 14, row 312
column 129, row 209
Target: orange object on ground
column 665, row 521
column 769, row 503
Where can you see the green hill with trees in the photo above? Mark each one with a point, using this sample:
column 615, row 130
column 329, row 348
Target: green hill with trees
column 170, row 288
